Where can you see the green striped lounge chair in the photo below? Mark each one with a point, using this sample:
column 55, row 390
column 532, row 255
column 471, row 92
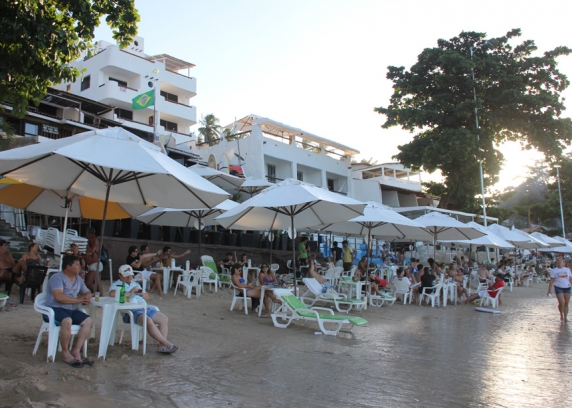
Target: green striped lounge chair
column 314, row 294
column 293, row 308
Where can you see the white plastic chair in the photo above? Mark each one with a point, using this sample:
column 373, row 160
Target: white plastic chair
column 433, row 296
column 274, row 267
column 494, row 299
column 239, row 294
column 136, row 330
column 206, row 277
column 52, row 329
column 190, row 281
column 402, row 288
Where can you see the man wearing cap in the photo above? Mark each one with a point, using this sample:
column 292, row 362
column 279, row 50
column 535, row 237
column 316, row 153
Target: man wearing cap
column 153, row 316
column 66, row 292
column 6, row 265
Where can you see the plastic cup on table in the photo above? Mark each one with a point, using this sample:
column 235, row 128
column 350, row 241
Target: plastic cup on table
column 127, row 297
column 97, row 296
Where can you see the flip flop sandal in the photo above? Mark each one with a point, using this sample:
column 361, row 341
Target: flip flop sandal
column 173, row 348
column 88, row 362
column 164, row 350
column 76, row 364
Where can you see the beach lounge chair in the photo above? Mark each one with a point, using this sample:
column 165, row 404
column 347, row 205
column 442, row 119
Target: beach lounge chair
column 292, row 309
column 314, row 294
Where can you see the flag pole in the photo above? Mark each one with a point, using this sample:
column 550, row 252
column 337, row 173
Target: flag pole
column 154, row 118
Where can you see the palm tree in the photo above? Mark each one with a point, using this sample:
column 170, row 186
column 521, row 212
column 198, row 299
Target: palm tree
column 210, row 128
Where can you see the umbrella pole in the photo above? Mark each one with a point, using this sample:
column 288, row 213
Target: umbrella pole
column 65, row 228
column 271, row 245
column 293, row 256
column 101, row 239
column 367, row 267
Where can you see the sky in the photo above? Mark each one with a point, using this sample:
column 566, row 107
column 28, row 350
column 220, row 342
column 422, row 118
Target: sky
column 321, row 65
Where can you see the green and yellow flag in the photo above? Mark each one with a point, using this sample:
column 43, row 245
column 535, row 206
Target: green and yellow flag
column 144, row 100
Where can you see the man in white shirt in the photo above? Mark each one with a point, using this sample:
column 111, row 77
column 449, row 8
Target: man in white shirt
column 153, row 315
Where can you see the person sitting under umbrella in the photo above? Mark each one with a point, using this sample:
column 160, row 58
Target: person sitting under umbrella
column 135, row 261
column 253, row 292
column 154, row 317
column 493, row 291
column 32, row 258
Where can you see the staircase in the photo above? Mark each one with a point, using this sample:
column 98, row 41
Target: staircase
column 18, row 242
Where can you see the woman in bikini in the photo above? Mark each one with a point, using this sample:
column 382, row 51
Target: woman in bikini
column 267, row 277
column 252, row 291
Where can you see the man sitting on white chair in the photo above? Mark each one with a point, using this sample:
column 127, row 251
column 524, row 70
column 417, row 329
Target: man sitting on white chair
column 493, row 291
column 153, row 316
column 66, row 292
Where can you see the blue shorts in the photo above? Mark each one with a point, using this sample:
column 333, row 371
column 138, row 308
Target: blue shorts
column 138, row 312
column 559, row 291
column 77, row 316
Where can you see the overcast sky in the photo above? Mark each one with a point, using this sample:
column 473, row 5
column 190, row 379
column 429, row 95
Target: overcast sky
column 321, row 65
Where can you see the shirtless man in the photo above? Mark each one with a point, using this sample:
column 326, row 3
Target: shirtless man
column 147, row 261
column 6, row 264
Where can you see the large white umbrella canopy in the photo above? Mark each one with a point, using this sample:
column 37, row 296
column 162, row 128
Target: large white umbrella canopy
column 189, row 217
column 565, row 248
column 112, row 165
column 444, row 227
column 223, row 180
column 518, row 238
column 551, row 242
column 533, row 241
column 290, row 204
column 253, row 186
column 489, row 240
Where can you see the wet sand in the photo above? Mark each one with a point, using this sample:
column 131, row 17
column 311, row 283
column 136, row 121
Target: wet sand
column 406, row 355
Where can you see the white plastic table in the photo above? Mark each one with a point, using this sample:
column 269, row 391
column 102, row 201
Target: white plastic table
column 449, row 288
column 109, row 321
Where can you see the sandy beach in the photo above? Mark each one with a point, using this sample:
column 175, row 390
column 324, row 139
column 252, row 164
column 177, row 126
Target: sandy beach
column 448, row 356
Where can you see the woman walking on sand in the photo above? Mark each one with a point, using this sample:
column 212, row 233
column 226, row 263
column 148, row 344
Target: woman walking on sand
column 561, row 279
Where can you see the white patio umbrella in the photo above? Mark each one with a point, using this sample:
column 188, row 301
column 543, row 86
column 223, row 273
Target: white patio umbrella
column 253, row 186
column 290, row 204
column 538, row 243
column 518, row 238
column 381, row 222
column 489, row 240
column 112, row 165
column 551, row 242
column 444, row 227
column 223, row 180
column 190, row 217
column 564, row 248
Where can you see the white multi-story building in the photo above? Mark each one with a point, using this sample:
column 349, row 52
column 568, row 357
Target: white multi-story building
column 115, row 76
column 275, row 151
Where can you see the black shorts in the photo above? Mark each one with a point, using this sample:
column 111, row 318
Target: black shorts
column 77, row 316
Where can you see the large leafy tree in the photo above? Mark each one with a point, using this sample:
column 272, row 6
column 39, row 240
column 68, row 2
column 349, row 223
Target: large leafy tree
column 518, row 99
column 38, row 39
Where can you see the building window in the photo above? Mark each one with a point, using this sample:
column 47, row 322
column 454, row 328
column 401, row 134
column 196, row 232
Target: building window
column 271, row 173
column 124, row 114
column 172, row 126
column 119, row 82
column 31, row 129
column 300, row 176
column 170, row 97
column 331, row 184
column 85, row 82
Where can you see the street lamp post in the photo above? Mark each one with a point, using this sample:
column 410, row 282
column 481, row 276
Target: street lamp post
column 478, row 139
column 557, row 166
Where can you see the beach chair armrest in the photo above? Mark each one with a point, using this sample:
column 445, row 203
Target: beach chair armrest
column 325, row 309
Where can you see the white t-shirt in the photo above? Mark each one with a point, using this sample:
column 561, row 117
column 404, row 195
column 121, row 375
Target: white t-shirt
column 561, row 277
column 128, row 287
